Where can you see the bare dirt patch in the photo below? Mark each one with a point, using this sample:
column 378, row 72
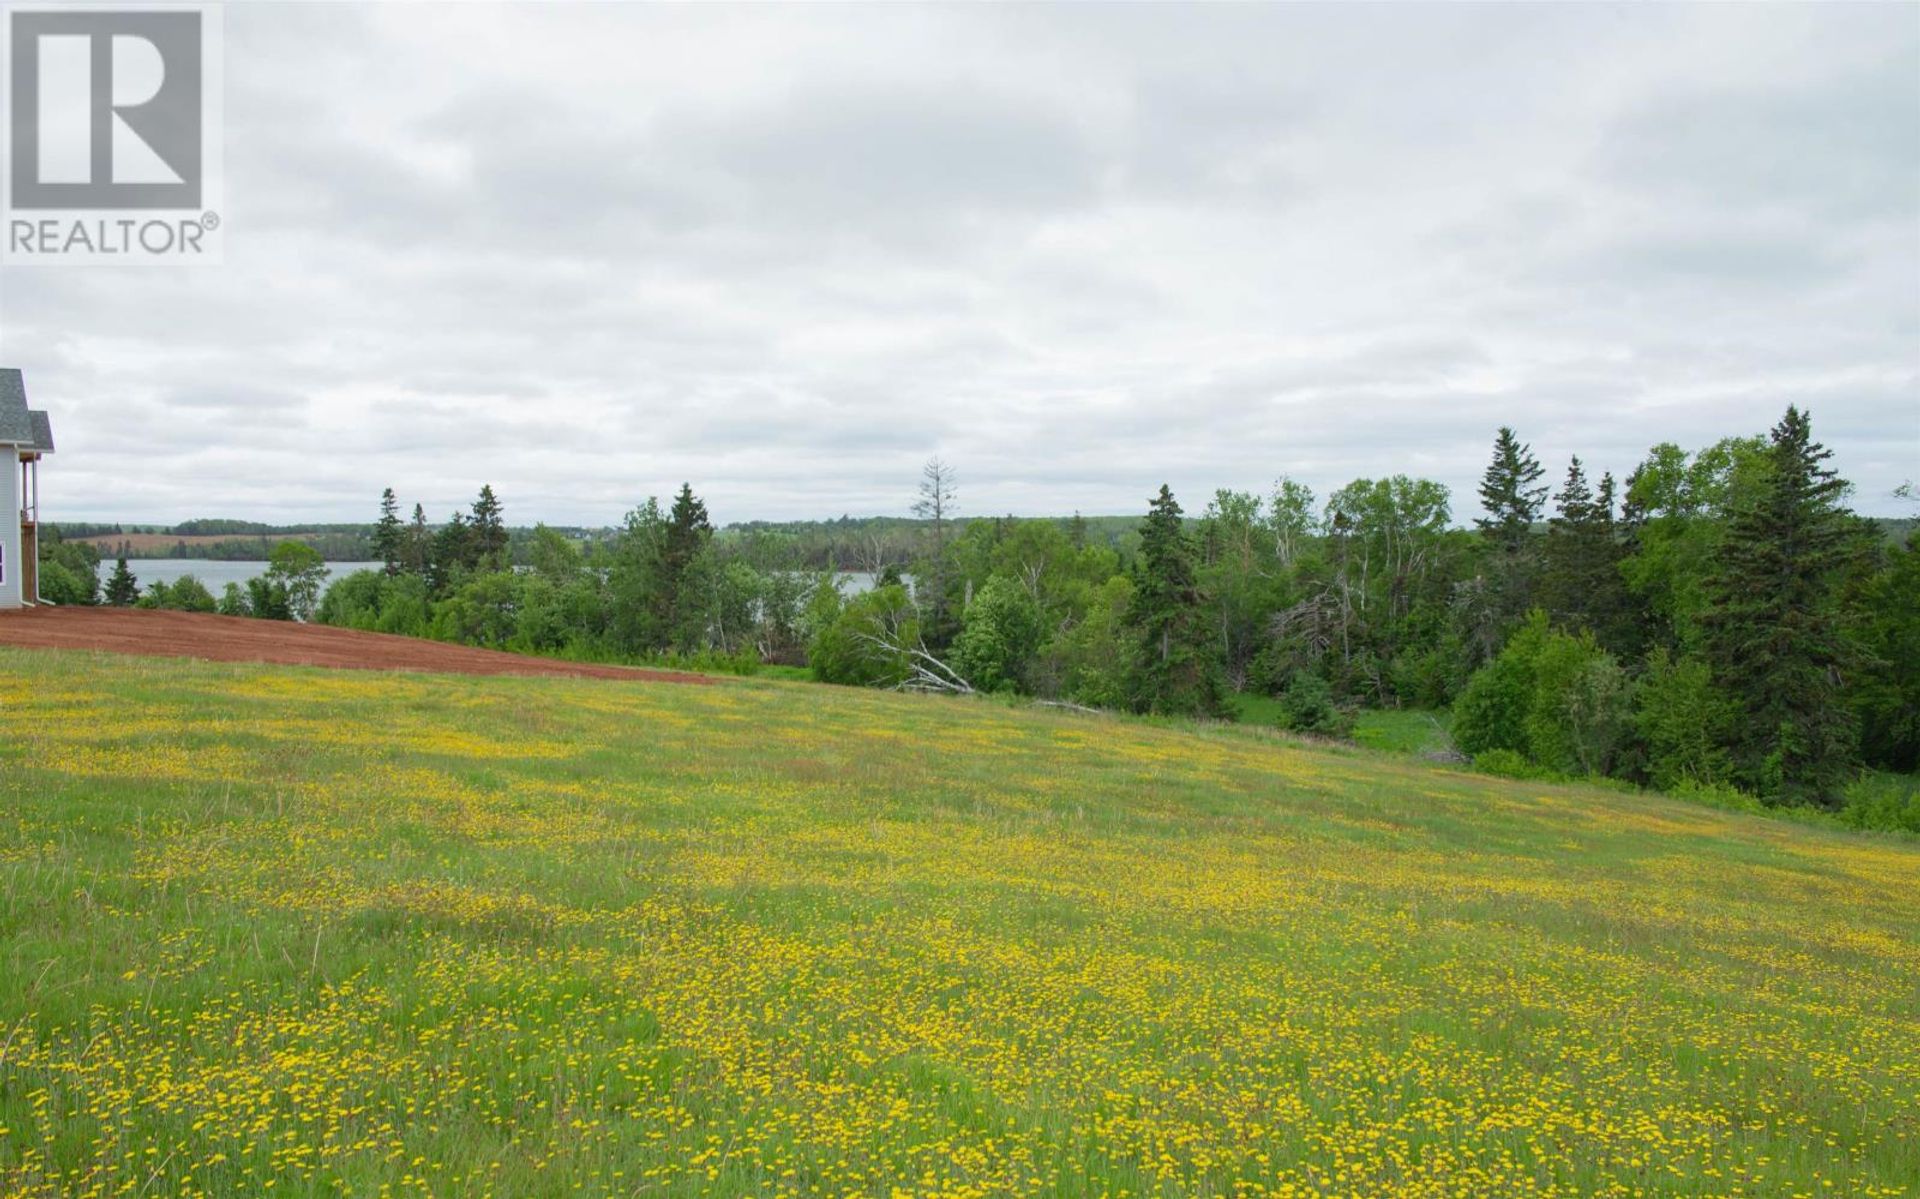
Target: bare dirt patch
column 238, row 639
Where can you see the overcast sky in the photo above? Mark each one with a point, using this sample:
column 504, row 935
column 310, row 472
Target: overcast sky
column 584, row 253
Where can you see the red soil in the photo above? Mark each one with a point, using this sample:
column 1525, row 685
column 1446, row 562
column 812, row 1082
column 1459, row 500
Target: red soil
column 238, row 639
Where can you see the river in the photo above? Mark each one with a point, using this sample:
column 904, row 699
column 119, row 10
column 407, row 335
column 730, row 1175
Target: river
column 215, row 574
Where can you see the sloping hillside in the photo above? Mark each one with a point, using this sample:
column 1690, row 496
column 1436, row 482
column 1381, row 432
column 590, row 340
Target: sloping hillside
column 337, row 931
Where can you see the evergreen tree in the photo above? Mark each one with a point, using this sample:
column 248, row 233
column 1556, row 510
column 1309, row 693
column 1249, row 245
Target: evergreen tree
column 417, row 547
column 388, row 534
column 1175, row 673
column 487, row 533
column 123, row 590
column 1773, row 628
column 688, row 531
column 1513, row 497
column 451, row 554
column 1581, row 581
column 682, row 555
column 1509, row 492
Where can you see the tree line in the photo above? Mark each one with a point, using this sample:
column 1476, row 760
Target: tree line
column 1718, row 620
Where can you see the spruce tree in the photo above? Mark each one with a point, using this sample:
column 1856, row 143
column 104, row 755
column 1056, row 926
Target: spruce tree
column 419, row 543
column 123, row 590
column 451, row 554
column 687, row 534
column 487, row 533
column 388, row 533
column 1510, row 493
column 688, row 531
column 1176, row 674
column 1581, row 581
column 1772, row 632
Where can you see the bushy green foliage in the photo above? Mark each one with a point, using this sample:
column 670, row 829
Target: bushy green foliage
column 1492, row 710
column 377, row 603
column 298, row 571
column 1580, row 708
column 1684, row 723
column 185, row 594
column 1886, row 695
column 1512, row 764
column 1092, row 662
column 1555, row 698
column 69, row 570
column 1307, row 706
column 1000, row 634
column 1673, row 521
column 484, row 611
column 866, row 641
column 267, row 599
column 60, row 585
column 1887, row 802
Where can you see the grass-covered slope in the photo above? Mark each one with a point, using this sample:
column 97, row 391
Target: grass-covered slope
column 334, row 931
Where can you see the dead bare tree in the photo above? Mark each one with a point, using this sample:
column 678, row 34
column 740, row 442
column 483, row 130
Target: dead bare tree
column 938, row 495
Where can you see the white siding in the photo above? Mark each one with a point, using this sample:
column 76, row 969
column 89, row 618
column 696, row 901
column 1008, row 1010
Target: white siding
column 10, row 528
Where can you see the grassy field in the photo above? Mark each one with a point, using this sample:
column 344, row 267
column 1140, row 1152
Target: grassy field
column 323, row 933
column 1401, row 730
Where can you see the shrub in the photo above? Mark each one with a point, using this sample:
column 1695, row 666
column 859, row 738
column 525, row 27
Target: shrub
column 1884, row 801
column 1718, row 795
column 377, row 602
column 1307, row 707
column 189, row 594
column 59, row 585
column 185, row 594
column 267, row 599
column 1511, row 764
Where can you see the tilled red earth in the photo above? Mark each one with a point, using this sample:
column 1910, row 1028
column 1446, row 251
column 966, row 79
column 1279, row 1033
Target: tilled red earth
column 238, row 639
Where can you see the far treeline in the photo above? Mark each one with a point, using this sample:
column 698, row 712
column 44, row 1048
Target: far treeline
column 859, row 543
column 1719, row 622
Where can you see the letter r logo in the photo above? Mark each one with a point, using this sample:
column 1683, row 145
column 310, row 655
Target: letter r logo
column 106, row 110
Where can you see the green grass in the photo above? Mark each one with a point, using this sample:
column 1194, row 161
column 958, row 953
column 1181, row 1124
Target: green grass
column 346, row 933
column 1399, row 730
column 1403, row 730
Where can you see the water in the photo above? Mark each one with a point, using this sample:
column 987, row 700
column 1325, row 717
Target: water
column 216, row 575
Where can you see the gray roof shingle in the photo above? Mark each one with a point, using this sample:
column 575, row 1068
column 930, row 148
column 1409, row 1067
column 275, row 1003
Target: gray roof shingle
column 42, row 430
column 16, row 426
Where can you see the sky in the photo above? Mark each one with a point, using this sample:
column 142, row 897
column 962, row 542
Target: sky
column 586, row 252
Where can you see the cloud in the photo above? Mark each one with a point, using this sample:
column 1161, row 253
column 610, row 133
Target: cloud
column 586, row 252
